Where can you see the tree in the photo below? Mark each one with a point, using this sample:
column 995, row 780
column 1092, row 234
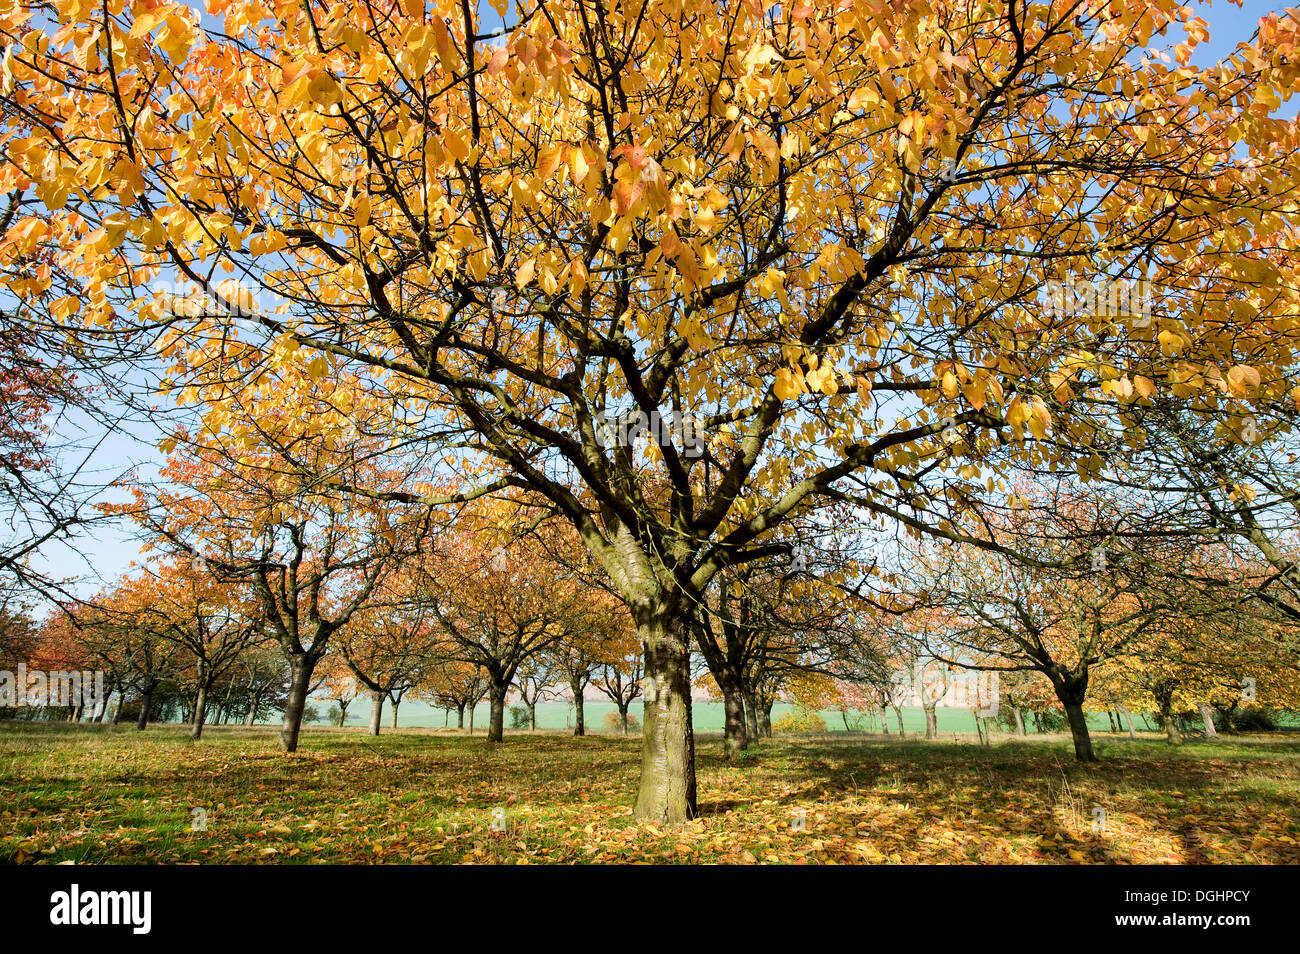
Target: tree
column 311, row 554
column 1210, row 659
column 387, row 644
column 211, row 623
column 847, row 213
column 258, row 685
column 453, row 684
column 596, row 636
column 620, row 680
column 503, row 602
column 1076, row 584
column 533, row 682
column 339, row 685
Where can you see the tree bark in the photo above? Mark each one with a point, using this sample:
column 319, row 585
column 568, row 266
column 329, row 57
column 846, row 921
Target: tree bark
column 200, row 712
column 898, row 715
column 396, row 705
column 460, row 716
column 146, row 703
column 532, row 717
column 1071, row 689
column 1128, row 720
column 1079, row 732
column 884, row 719
column 300, row 670
column 751, row 714
column 666, row 793
column 765, row 720
column 931, row 722
column 376, row 710
column 1164, row 695
column 734, row 740
column 1207, row 718
column 497, row 717
column 579, row 716
column 1020, row 721
column 1171, row 728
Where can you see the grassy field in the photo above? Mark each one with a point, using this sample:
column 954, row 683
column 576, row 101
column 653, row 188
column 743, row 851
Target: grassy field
column 104, row 794
column 705, row 716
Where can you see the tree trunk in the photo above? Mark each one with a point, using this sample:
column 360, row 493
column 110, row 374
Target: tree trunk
column 252, row 713
column 376, row 710
column 103, row 709
column 200, row 712
column 300, row 670
column 666, row 792
column 1020, row 721
column 1171, row 728
column 396, row 704
column 1079, row 732
column 472, row 706
column 884, row 719
column 460, row 716
column 1228, row 713
column 1207, row 718
column 898, row 715
column 579, row 715
column 532, row 716
column 751, row 714
column 497, row 717
column 622, row 716
column 931, row 722
column 1127, row 717
column 1111, row 717
column 734, row 741
column 146, row 702
column 765, row 720
column 1163, row 693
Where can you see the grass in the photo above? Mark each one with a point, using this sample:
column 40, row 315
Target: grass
column 101, row 794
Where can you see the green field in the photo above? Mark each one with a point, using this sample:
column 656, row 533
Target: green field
column 110, row 794
column 708, row 717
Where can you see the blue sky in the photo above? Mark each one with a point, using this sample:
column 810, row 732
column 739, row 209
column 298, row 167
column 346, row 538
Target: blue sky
column 108, row 551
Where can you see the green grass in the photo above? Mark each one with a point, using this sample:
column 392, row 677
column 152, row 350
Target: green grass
column 109, row 794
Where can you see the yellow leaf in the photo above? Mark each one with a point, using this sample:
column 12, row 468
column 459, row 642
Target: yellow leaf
column 1243, row 378
column 324, row 90
column 525, row 274
column 787, row 384
column 455, row 145
column 949, row 384
column 145, row 22
column 500, row 56
column 361, row 214
column 578, row 165
column 548, row 160
column 176, row 38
